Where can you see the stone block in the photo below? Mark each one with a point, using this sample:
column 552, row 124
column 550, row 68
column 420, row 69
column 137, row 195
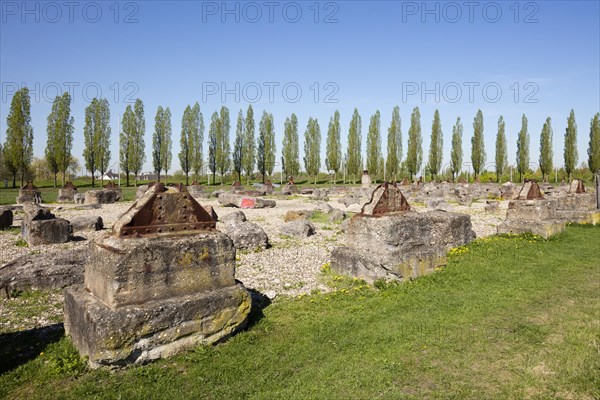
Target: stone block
column 87, row 224
column 543, row 228
column 49, row 231
column 298, row 229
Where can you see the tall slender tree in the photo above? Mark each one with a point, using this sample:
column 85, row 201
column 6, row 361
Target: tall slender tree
column 238, row 146
column 60, row 136
column 213, row 134
column 138, row 146
column 266, row 145
column 436, row 147
column 571, row 145
column 223, row 145
column 18, row 148
column 456, row 153
column 523, row 149
column 97, row 137
column 249, row 159
column 374, row 145
column 126, row 139
column 186, row 142
column 594, row 147
column 334, row 147
column 290, row 148
column 501, row 152
column 394, row 146
column 414, row 156
column 477, row 145
column 312, row 148
column 546, row 153
column 354, row 151
column 161, row 141
column 198, row 130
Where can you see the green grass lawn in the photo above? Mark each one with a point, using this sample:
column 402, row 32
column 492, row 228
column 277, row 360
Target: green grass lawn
column 508, row 317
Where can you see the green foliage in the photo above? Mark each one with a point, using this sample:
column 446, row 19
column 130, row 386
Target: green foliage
column 477, row 144
column 594, row 145
column 59, row 136
column 374, row 145
column 436, row 147
column 126, row 138
column 312, row 148
column 353, row 154
column 334, row 147
column 96, row 134
column 18, row 148
column 546, row 153
column 394, row 146
column 161, row 141
column 238, row 146
column 223, row 146
column 523, row 149
column 63, row 359
column 192, row 135
column 213, row 134
column 456, row 153
column 414, row 157
column 20, row 242
column 198, row 125
column 501, row 152
column 570, row 151
column 249, row 158
column 290, row 148
column 266, row 145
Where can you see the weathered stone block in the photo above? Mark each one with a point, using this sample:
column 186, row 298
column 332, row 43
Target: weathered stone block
column 298, row 229
column 6, row 218
column 47, row 231
column 104, row 196
column 66, row 195
column 240, row 201
column 543, row 228
column 87, row 224
column 247, row 235
column 533, row 210
column 400, row 245
column 143, row 332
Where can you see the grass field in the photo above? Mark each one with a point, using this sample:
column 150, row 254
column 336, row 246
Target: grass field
column 508, row 317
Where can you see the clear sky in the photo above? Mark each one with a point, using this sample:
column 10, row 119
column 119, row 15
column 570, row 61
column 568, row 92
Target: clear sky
column 541, row 58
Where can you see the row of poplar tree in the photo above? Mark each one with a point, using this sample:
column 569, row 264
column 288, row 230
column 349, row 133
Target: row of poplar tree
column 249, row 153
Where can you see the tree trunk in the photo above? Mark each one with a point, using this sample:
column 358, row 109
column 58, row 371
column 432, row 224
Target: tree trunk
column 93, row 179
column 187, row 180
column 158, row 176
column 14, row 180
column 127, row 178
column 64, row 173
column 55, row 179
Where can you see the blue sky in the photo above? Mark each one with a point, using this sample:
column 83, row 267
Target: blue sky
column 540, row 58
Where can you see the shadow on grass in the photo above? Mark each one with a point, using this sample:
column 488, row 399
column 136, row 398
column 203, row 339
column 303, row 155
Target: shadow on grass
column 17, row 348
column 259, row 302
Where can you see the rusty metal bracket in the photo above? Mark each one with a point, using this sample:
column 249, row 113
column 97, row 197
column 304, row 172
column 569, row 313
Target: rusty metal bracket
column 385, row 199
column 577, row 186
column 29, row 186
column 164, row 211
column 69, row 185
column 530, row 191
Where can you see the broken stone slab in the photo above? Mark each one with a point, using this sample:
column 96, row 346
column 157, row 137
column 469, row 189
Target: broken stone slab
column 79, row 198
column 29, row 194
column 247, row 235
column 211, row 211
column 140, row 191
column 289, row 189
column 240, row 201
column 401, row 245
column 492, row 206
column 234, row 217
column 157, row 329
column 52, row 270
column 48, row 231
column 350, row 199
column 532, row 210
column 438, row 204
column 337, row 215
column 298, row 229
column 320, row 194
column 543, row 228
column 6, row 218
column 323, row 207
column 508, row 191
column 298, row 215
column 87, row 224
column 577, row 208
column 104, row 196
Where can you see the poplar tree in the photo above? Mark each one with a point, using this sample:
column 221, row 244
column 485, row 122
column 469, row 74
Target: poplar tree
column 198, row 128
column 161, row 141
column 594, row 148
column 223, row 145
column 374, row 145
column 60, row 136
column 186, row 142
column 249, row 158
column 334, row 146
column 213, row 133
column 436, row 147
column 414, row 156
column 456, row 153
column 126, row 138
column 290, row 149
column 353, row 154
column 571, row 145
column 238, row 146
column 97, row 137
column 312, row 148
column 394, row 146
column 266, row 145
column 138, row 146
column 18, row 148
column 477, row 145
column 501, row 152
column 546, row 153
column 523, row 149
